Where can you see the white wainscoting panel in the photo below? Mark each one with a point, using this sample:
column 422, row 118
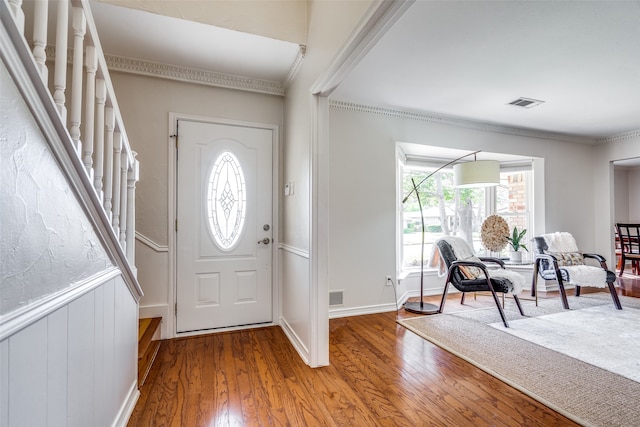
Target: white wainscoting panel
column 57, row 344
column 4, row 383
column 76, row 366
column 81, row 360
column 294, row 320
column 27, row 376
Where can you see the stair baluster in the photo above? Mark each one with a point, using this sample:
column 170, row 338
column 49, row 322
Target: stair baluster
column 91, row 62
column 117, row 150
column 79, row 24
column 40, row 12
column 60, row 67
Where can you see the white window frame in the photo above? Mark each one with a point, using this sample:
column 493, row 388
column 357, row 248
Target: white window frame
column 490, row 199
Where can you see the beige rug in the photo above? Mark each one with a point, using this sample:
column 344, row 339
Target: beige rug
column 585, row 393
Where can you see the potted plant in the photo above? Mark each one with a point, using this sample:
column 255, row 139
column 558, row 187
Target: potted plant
column 515, row 240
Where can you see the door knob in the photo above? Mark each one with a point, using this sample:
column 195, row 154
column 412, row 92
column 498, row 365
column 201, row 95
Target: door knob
column 264, row 241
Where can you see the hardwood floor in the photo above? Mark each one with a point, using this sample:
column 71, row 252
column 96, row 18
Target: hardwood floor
column 380, row 375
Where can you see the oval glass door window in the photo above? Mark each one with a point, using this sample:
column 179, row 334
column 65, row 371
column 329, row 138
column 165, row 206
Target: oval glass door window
column 227, row 201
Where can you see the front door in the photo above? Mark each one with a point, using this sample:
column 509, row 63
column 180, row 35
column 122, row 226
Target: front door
column 224, row 225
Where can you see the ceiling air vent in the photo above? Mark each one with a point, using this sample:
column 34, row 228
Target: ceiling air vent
column 526, row 102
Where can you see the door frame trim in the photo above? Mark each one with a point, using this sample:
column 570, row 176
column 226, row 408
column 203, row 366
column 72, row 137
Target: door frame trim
column 172, row 194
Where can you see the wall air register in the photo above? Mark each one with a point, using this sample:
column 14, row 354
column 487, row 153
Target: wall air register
column 526, row 102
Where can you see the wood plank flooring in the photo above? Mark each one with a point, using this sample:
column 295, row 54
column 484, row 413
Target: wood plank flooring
column 380, row 375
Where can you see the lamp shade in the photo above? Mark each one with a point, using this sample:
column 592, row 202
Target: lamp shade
column 479, row 173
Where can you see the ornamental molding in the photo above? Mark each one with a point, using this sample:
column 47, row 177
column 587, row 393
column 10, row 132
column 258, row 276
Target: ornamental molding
column 192, row 75
column 622, row 137
column 469, row 124
column 295, row 67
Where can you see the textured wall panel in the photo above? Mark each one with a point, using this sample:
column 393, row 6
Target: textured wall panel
column 47, row 244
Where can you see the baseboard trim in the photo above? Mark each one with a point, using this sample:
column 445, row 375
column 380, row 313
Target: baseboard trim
column 337, row 313
column 128, row 406
column 297, row 343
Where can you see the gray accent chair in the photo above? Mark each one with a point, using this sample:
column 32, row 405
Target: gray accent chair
column 548, row 267
column 456, row 277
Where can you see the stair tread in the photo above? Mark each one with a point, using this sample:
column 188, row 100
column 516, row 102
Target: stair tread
column 146, row 330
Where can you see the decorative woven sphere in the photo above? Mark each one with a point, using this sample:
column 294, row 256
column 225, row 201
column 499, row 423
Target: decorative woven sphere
column 494, row 233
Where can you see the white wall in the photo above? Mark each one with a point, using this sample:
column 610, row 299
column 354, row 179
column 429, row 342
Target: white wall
column 362, row 208
column 621, row 197
column 330, row 23
column 634, row 194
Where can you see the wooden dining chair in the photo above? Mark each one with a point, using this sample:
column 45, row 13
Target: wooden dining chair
column 618, row 248
column 629, row 235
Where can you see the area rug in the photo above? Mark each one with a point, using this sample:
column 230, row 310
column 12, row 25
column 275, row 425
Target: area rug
column 581, row 391
column 600, row 335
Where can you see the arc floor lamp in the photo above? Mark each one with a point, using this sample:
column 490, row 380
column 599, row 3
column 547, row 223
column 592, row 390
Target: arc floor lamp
column 477, row 173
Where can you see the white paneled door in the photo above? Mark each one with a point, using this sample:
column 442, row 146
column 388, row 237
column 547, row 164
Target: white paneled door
column 224, row 225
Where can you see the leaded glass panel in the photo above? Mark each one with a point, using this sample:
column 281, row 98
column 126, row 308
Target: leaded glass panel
column 227, row 201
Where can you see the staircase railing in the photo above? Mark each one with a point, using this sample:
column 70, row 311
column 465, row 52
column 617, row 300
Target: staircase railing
column 89, row 110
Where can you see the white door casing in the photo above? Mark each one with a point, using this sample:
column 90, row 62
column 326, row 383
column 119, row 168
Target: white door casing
column 224, row 237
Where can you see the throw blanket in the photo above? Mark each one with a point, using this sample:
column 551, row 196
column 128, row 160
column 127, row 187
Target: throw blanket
column 561, row 241
column 563, row 246
column 464, row 252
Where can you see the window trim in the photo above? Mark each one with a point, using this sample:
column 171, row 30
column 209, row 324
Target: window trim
column 533, row 165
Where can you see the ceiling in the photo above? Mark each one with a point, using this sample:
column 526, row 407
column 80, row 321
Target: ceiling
column 137, row 34
column 455, row 59
column 470, row 59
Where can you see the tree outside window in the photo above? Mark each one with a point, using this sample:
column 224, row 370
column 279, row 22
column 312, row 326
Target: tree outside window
column 460, row 212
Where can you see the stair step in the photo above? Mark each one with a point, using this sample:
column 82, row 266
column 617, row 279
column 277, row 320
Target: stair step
column 147, row 346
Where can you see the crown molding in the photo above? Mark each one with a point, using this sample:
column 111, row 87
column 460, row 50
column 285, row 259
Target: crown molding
column 623, row 136
column 469, row 124
column 192, row 75
column 295, row 67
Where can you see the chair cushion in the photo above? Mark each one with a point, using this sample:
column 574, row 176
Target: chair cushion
column 480, row 285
